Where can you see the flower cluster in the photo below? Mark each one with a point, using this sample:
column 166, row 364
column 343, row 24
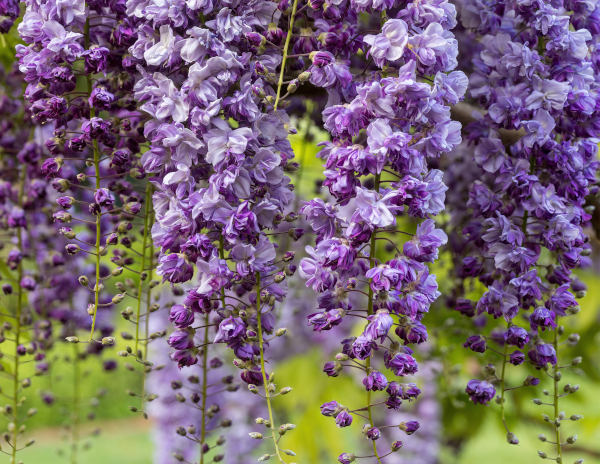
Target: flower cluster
column 387, row 119
column 78, row 84
column 218, row 148
column 38, row 288
column 152, row 141
column 524, row 175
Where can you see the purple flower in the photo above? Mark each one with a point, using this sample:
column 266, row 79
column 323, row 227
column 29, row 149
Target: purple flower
column 28, row 283
column 101, row 98
column 379, row 325
column 480, row 391
column 424, row 247
column 181, row 317
column 401, row 364
column 362, row 347
column 516, row 358
column 375, row 381
column 184, row 358
column 373, row 433
column 346, row 458
column 413, row 333
column 409, row 427
column 390, row 44
column 476, row 343
column 175, row 268
column 331, row 369
column 330, row 409
column 343, row 419
column 181, row 340
column 542, row 354
column 104, row 198
column 542, row 317
column 516, row 336
column 321, row 217
column 325, row 320
column 230, row 329
column 96, row 59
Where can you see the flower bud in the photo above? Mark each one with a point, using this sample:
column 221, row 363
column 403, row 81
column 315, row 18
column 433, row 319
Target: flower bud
column 118, row 298
column 304, row 76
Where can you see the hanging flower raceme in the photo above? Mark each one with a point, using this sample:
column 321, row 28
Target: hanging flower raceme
column 524, row 176
column 79, row 81
column 179, row 391
column 389, row 83
column 218, row 148
column 38, row 289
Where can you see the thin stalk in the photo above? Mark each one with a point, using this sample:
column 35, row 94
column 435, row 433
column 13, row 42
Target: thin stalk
column 18, row 315
column 205, row 359
column 147, row 321
column 148, row 220
column 286, row 46
column 264, row 371
column 502, row 386
column 147, row 212
column 556, row 397
column 204, row 386
column 370, row 312
column 96, row 152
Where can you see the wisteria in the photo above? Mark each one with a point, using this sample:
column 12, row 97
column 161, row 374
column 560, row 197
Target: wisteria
column 386, row 123
column 525, row 172
column 199, row 196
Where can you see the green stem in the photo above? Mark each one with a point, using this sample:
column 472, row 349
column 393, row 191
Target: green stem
column 148, row 220
column 96, row 152
column 204, row 385
column 18, row 316
column 556, row 398
column 147, row 210
column 286, row 47
column 502, row 385
column 264, row 371
column 372, row 255
column 149, row 298
column 205, row 358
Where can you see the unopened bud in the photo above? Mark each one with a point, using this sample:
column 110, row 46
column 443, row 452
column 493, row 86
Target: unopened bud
column 304, row 76
column 281, row 332
column 118, row 298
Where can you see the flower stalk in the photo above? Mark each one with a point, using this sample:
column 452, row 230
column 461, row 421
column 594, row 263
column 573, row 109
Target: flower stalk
column 265, row 377
column 16, row 401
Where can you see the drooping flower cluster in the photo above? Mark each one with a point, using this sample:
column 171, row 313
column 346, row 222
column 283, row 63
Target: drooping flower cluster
column 154, row 140
column 39, row 290
column 79, row 82
column 178, row 430
column 218, row 148
column 530, row 162
column 388, row 120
